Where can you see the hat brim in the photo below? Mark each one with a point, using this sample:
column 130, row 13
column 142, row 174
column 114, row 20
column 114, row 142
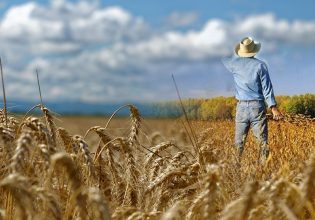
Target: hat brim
column 247, row 54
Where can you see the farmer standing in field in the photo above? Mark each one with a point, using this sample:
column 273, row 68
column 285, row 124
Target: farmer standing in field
column 253, row 88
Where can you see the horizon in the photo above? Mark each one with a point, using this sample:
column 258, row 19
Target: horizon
column 135, row 47
column 158, row 109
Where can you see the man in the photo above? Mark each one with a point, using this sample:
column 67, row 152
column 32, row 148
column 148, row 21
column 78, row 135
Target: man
column 253, row 89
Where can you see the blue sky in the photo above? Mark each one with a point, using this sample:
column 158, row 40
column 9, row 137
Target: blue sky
column 156, row 10
column 120, row 50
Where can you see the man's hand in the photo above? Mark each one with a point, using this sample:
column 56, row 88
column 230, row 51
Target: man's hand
column 276, row 113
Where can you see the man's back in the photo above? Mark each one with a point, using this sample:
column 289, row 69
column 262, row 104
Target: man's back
column 251, row 78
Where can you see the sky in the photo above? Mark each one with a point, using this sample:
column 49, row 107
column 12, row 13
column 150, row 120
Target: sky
column 126, row 51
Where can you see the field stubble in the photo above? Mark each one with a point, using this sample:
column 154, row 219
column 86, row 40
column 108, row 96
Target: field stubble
column 79, row 168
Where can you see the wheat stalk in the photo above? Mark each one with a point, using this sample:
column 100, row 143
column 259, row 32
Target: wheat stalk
column 66, row 161
column 96, row 200
column 131, row 194
column 19, row 187
column 49, row 199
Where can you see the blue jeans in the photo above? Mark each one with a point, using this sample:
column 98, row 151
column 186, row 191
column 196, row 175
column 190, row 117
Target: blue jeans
column 251, row 114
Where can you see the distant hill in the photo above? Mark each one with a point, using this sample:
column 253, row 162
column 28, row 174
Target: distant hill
column 204, row 109
column 82, row 108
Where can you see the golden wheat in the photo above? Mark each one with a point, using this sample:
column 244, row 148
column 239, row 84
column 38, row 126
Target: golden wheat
column 48, row 173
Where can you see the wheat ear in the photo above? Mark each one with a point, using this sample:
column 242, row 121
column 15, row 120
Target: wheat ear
column 66, row 139
column 83, row 146
column 135, row 121
column 51, row 128
column 21, row 151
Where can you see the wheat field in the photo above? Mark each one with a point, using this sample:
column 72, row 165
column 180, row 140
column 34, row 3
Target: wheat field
column 133, row 168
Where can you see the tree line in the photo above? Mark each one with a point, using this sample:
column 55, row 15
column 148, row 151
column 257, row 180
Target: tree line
column 224, row 107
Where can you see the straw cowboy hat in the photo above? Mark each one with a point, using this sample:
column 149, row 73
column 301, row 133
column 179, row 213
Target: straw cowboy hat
column 247, row 47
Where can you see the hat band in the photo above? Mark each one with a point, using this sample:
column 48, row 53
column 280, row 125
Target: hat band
column 247, row 48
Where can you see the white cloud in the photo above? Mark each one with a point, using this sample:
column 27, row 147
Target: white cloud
column 269, row 28
column 88, row 52
column 21, row 22
column 66, row 27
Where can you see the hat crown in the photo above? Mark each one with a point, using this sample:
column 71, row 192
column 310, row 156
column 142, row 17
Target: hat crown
column 247, row 45
column 247, row 41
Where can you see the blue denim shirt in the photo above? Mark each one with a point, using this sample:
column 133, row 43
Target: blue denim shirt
column 251, row 79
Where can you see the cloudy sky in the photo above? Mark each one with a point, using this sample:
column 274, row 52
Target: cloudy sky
column 122, row 50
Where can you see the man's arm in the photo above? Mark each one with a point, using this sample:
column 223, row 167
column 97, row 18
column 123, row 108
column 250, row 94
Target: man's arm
column 276, row 113
column 267, row 86
column 268, row 92
column 228, row 63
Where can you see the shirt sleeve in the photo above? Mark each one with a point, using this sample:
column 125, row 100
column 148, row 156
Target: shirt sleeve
column 227, row 62
column 267, row 86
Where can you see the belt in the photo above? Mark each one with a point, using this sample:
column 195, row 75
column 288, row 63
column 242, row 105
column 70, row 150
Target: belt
column 248, row 101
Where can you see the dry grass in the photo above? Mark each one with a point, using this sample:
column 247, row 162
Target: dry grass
column 85, row 168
